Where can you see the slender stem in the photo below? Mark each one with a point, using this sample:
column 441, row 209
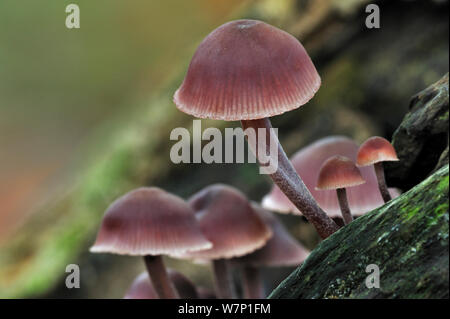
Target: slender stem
column 287, row 179
column 252, row 283
column 159, row 277
column 222, row 279
column 379, row 171
column 343, row 204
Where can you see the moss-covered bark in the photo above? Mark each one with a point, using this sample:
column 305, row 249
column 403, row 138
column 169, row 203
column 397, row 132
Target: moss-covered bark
column 421, row 140
column 407, row 238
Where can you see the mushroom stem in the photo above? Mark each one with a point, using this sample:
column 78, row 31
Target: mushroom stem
column 287, row 179
column 159, row 277
column 343, row 204
column 379, row 171
column 223, row 281
column 252, row 283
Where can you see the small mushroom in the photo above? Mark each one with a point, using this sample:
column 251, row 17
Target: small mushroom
column 150, row 222
column 230, row 223
column 249, row 71
column 142, row 287
column 377, row 150
column 307, row 162
column 338, row 173
column 282, row 250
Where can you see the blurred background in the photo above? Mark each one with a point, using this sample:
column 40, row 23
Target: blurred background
column 85, row 115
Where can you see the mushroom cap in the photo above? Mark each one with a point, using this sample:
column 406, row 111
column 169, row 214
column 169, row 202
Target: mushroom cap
column 374, row 150
column 247, row 69
column 149, row 221
column 228, row 221
column 338, row 172
column 142, row 287
column 282, row 250
column 307, row 162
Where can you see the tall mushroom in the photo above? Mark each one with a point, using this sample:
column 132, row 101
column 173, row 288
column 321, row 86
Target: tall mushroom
column 377, row 150
column 230, row 223
column 282, row 250
column 248, row 71
column 150, row 222
column 338, row 173
column 307, row 162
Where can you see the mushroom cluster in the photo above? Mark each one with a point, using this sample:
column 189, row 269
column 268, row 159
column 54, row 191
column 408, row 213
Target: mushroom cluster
column 248, row 71
column 218, row 225
column 308, row 163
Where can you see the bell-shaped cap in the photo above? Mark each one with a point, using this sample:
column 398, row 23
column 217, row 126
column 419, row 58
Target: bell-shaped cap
column 374, row 150
column 229, row 222
column 247, row 69
column 338, row 172
column 307, row 163
column 142, row 287
column 149, row 221
column 282, row 250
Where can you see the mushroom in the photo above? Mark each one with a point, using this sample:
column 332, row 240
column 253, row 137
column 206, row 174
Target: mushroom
column 229, row 222
column 377, row 150
column 282, row 250
column 307, row 162
column 150, row 222
column 142, row 288
column 338, row 173
column 248, row 71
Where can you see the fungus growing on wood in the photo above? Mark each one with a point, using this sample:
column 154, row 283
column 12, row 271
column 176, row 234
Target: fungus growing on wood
column 338, row 173
column 249, row 71
column 375, row 151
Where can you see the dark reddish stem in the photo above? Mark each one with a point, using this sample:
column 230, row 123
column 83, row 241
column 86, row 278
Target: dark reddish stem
column 379, row 171
column 252, row 283
column 343, row 204
column 287, row 179
column 223, row 280
column 159, row 277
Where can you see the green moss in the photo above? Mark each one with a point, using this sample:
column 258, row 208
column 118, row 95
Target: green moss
column 444, row 117
column 443, row 185
column 407, row 238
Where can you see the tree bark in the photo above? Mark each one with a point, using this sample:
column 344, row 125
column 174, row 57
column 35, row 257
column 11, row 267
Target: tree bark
column 407, row 239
